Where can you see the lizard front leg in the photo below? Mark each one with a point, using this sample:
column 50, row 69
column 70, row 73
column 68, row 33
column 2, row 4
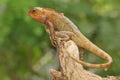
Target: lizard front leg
column 50, row 29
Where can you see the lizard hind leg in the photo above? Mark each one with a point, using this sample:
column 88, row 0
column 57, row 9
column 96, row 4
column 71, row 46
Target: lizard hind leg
column 62, row 35
column 82, row 50
column 59, row 36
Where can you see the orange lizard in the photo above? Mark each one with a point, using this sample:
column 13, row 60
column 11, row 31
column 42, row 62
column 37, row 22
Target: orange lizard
column 57, row 23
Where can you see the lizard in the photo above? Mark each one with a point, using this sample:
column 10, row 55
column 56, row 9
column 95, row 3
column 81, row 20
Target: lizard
column 57, row 23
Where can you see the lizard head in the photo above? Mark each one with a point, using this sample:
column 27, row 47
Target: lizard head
column 38, row 14
column 43, row 14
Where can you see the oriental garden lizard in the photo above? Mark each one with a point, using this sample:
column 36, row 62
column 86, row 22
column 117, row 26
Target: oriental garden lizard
column 57, row 24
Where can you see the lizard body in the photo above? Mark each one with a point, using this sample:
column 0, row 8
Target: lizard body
column 59, row 23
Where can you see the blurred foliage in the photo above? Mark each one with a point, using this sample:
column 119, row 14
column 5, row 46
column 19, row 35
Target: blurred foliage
column 25, row 49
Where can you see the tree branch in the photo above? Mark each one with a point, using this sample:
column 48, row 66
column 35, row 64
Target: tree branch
column 70, row 69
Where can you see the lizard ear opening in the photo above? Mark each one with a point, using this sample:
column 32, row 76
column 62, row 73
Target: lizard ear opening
column 43, row 18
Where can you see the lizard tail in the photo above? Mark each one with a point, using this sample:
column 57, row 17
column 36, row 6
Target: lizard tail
column 88, row 45
column 105, row 65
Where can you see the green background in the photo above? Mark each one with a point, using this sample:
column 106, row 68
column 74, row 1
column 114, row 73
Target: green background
column 26, row 52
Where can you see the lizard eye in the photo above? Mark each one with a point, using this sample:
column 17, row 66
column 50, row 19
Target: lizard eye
column 33, row 11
